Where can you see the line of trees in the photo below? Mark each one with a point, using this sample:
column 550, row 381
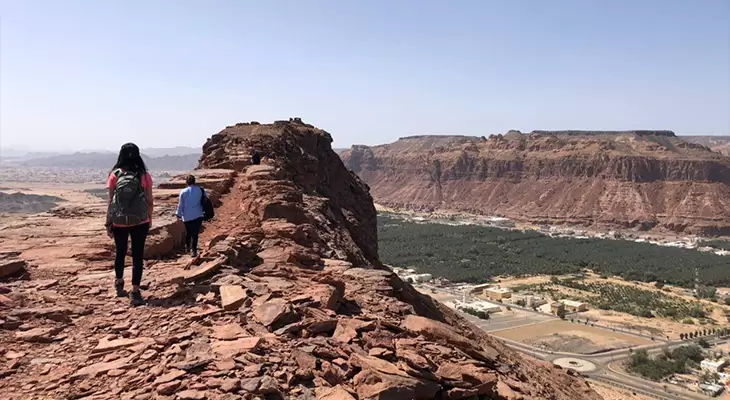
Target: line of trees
column 670, row 362
column 473, row 311
column 705, row 332
column 474, row 254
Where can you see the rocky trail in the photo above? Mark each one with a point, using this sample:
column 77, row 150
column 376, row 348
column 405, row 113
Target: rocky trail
column 287, row 300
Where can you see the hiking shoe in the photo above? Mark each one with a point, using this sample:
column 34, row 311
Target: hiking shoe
column 135, row 297
column 119, row 287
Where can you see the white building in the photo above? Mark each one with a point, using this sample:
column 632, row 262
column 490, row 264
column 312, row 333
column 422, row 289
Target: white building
column 417, row 278
column 404, row 271
column 487, row 307
column 713, row 365
column 529, row 300
column 712, row 389
column 502, row 222
column 569, row 305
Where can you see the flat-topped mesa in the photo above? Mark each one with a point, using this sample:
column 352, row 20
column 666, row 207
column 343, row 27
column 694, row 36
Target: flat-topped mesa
column 638, row 132
column 300, row 229
column 623, row 179
column 437, row 137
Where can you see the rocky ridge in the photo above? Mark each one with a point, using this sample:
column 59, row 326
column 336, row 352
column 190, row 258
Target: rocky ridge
column 288, row 300
column 720, row 144
column 632, row 179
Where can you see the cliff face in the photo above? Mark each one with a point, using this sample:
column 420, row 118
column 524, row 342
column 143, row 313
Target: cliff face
column 720, row 144
column 639, row 179
column 301, row 228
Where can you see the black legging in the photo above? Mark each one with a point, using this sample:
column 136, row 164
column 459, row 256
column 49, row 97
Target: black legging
column 192, row 230
column 121, row 236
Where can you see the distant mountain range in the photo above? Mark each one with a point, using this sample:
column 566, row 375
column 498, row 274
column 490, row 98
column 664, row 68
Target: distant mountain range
column 160, row 159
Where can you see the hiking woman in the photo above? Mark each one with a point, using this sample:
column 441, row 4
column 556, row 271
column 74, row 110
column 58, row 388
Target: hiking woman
column 190, row 210
column 129, row 215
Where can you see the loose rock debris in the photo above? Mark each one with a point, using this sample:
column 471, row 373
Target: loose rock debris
column 288, row 300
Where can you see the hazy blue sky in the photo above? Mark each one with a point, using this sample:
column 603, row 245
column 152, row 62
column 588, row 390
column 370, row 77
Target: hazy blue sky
column 97, row 73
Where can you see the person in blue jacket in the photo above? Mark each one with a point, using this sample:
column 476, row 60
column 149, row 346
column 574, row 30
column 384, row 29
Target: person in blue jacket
column 190, row 211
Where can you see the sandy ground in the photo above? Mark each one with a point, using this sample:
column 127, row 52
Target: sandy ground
column 588, row 338
column 71, row 192
column 613, row 393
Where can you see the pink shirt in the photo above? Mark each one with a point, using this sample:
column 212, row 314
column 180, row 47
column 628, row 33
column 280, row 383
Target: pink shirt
column 111, row 183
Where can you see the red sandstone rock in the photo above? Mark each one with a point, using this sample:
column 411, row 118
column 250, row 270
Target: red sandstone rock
column 638, row 179
column 319, row 310
column 11, row 267
column 333, row 393
column 232, row 296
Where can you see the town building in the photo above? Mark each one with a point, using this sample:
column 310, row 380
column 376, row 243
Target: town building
column 501, row 222
column 711, row 389
column 713, row 365
column 528, row 299
column 417, row 278
column 497, row 293
column 487, row 307
column 404, row 271
column 480, row 288
column 569, row 305
column 575, row 306
column 441, row 282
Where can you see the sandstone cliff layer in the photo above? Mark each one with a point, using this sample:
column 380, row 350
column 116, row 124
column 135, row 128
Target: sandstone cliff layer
column 640, row 179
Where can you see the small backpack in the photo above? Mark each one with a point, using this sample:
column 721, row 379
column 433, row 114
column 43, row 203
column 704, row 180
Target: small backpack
column 208, row 209
column 129, row 204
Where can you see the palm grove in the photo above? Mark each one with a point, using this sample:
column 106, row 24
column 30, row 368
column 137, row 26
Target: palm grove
column 474, row 254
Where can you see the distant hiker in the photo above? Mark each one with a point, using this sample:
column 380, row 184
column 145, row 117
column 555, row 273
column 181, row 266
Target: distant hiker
column 256, row 158
column 190, row 209
column 129, row 214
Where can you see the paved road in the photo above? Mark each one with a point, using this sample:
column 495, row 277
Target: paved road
column 605, row 363
column 608, row 371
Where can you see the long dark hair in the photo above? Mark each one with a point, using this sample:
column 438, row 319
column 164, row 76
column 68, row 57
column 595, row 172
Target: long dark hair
column 130, row 159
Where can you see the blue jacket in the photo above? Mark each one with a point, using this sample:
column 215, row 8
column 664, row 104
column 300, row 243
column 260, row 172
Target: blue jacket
column 190, row 207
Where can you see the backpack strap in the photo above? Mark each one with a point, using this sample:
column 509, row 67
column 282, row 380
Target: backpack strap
column 118, row 172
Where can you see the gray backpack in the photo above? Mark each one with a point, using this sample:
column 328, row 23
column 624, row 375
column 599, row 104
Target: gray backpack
column 129, row 204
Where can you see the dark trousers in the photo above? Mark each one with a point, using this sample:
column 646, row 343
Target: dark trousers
column 192, row 230
column 138, row 234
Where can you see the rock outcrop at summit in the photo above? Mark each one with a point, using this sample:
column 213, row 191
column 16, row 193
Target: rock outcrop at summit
column 288, row 299
column 302, row 194
column 632, row 179
column 316, row 282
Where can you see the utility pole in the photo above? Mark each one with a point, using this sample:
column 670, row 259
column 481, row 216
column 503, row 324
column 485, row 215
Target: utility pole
column 697, row 282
